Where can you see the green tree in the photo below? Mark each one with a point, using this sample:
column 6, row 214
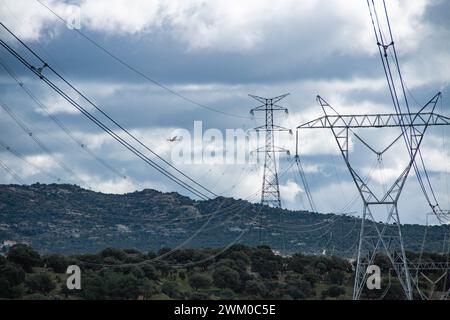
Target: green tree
column 266, row 263
column 298, row 288
column 311, row 277
column 3, row 260
column 336, row 277
column 256, row 288
column 13, row 273
column 115, row 253
column 148, row 288
column 227, row 263
column 240, row 256
column 151, row 255
column 93, row 261
column 225, row 277
column 199, row 281
column 92, row 286
column 298, row 262
column 24, row 256
column 57, row 262
column 131, row 269
column 202, row 260
column 150, row 271
column 121, row 286
column 40, row 282
column 9, row 291
column 333, row 291
column 322, row 267
column 171, row 288
column 11, row 278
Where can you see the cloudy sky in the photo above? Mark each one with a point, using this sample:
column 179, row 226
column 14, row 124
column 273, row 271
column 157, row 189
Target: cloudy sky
column 216, row 53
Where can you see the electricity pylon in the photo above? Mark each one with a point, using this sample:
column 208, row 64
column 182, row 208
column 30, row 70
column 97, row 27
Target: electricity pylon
column 432, row 273
column 374, row 236
column 270, row 194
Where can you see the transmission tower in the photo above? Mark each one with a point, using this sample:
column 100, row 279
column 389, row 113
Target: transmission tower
column 270, row 194
column 376, row 237
column 432, row 273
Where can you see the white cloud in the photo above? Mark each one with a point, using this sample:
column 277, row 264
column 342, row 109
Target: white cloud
column 290, row 190
column 295, row 31
column 337, row 196
column 116, row 185
column 55, row 105
column 27, row 19
column 44, row 162
column 232, row 25
column 118, row 16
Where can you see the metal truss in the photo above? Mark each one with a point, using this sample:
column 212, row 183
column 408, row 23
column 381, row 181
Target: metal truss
column 429, row 265
column 378, row 237
column 377, row 120
column 433, row 273
column 270, row 194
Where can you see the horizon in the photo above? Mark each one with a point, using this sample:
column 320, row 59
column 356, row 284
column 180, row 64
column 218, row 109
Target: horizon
column 214, row 74
column 243, row 150
column 200, row 200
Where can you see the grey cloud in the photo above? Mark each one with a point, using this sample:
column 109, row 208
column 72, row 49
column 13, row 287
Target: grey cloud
column 287, row 60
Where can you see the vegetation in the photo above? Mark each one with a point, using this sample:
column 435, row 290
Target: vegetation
column 60, row 218
column 240, row 272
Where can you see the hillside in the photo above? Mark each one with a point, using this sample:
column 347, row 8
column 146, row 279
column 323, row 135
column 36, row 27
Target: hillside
column 59, row 218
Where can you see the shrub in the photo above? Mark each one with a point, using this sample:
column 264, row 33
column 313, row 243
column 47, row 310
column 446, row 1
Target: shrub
column 14, row 274
column 171, row 288
column 115, row 253
column 57, row 262
column 199, row 281
column 333, row 291
column 255, row 287
column 24, row 256
column 336, row 277
column 225, row 277
column 40, row 282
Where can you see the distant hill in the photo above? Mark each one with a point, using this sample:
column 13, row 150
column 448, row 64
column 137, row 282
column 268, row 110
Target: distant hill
column 61, row 218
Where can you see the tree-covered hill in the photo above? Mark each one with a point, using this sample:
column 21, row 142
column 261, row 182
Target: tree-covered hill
column 59, row 218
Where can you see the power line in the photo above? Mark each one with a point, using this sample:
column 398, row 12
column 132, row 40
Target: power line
column 24, row 159
column 90, row 116
column 385, row 50
column 45, row 65
column 36, row 139
column 11, row 172
column 301, row 173
column 58, row 122
column 140, row 73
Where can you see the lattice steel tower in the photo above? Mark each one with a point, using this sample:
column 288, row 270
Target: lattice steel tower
column 270, row 194
column 378, row 236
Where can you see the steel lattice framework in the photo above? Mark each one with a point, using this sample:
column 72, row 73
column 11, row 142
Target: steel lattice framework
column 378, row 237
column 270, row 194
column 377, row 120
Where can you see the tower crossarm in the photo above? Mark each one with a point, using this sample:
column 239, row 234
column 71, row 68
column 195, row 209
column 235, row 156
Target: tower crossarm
column 273, row 128
column 274, row 149
column 429, row 265
column 376, row 121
